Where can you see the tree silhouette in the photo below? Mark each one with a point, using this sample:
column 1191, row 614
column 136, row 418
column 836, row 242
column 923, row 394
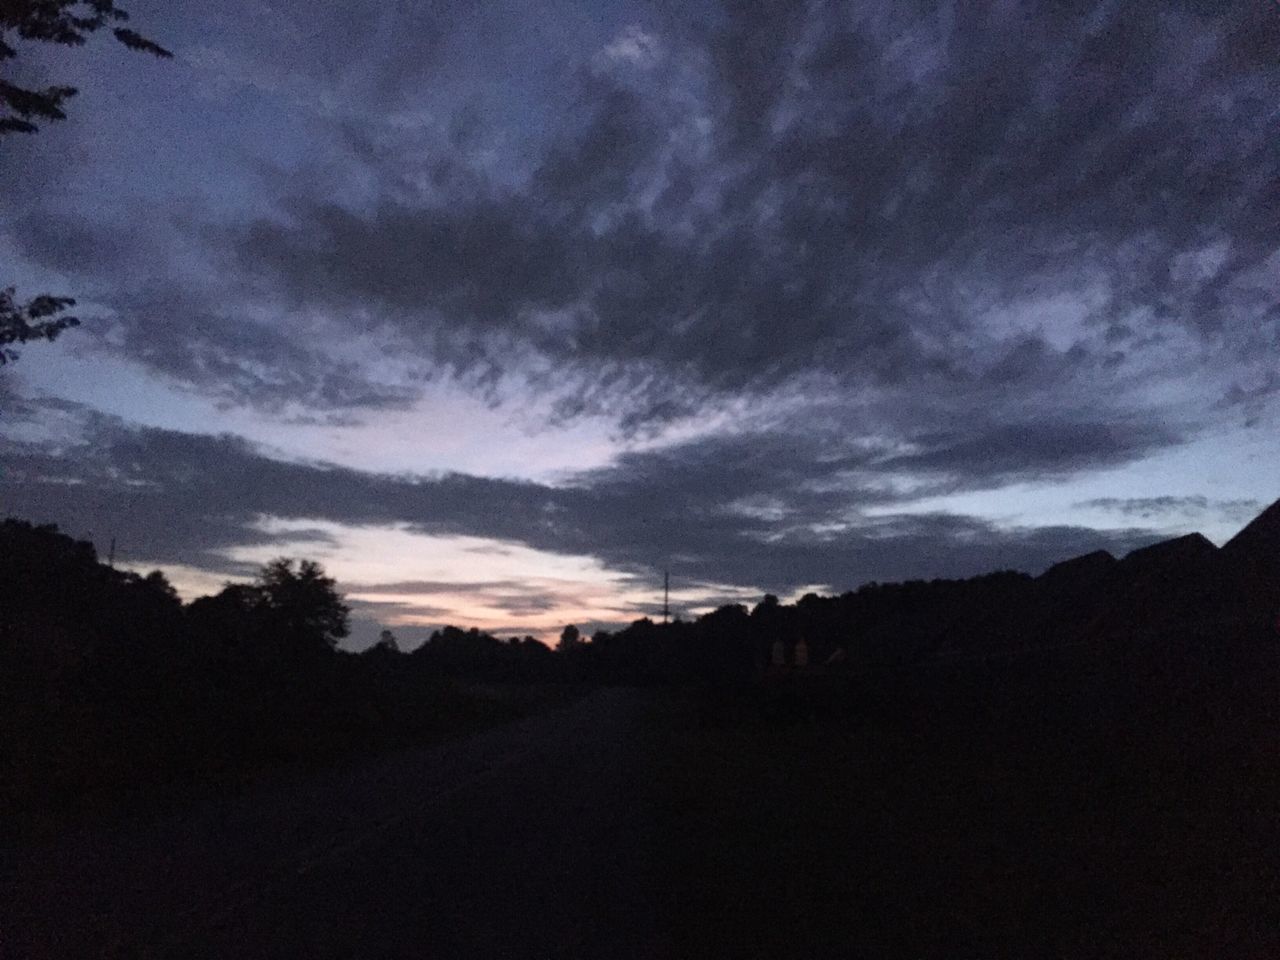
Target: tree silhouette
column 68, row 22
column 228, row 618
column 569, row 638
column 35, row 320
column 302, row 605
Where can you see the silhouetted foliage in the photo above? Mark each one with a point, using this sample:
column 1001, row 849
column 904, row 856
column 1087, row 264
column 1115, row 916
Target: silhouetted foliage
column 475, row 655
column 35, row 320
column 68, row 22
column 107, row 681
column 109, row 685
column 302, row 606
column 569, row 637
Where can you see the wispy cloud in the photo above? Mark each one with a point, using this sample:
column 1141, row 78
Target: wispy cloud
column 1170, row 507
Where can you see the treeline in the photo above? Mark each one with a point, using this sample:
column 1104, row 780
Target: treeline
column 1184, row 589
column 111, row 686
column 109, row 682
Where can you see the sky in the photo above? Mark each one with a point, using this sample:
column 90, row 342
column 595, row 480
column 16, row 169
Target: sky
column 499, row 311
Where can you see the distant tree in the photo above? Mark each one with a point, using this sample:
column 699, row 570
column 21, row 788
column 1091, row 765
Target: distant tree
column 387, row 641
column 230, row 617
column 147, row 604
column 68, row 22
column 159, row 584
column 302, row 604
column 569, row 638
column 768, row 605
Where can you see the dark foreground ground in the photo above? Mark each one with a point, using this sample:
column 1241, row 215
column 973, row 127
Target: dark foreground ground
column 919, row 839
column 642, row 824
column 530, row 840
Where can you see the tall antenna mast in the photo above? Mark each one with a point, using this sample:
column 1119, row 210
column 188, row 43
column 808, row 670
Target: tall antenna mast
column 666, row 595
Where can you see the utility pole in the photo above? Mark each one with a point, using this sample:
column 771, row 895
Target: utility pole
column 666, row 595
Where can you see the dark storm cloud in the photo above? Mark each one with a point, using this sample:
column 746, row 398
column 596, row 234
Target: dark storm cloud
column 240, row 362
column 854, row 193
column 1031, row 451
column 237, row 360
column 784, row 510
column 479, row 263
column 203, row 334
column 931, row 248
column 814, row 471
column 764, row 192
column 152, row 520
column 185, row 498
column 171, row 497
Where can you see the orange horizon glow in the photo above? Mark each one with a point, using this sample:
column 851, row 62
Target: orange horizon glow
column 404, row 579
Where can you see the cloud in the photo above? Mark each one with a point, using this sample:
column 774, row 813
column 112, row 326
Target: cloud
column 398, row 612
column 516, row 598
column 412, row 588
column 199, row 500
column 872, row 253
column 855, row 197
column 292, row 52
column 201, row 332
column 1169, row 508
column 241, row 361
column 634, row 46
column 1255, row 399
column 1034, row 450
column 939, row 211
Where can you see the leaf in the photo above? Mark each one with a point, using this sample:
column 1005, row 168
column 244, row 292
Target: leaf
column 136, row 41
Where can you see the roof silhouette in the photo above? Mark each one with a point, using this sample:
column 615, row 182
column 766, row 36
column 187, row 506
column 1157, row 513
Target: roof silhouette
column 1085, row 568
column 1259, row 541
column 1192, row 548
